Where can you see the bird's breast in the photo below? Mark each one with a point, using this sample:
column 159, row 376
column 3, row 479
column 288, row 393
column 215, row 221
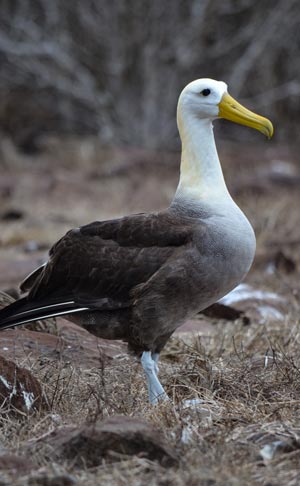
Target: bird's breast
column 225, row 252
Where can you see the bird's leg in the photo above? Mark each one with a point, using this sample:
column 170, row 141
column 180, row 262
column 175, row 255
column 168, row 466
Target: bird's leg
column 155, row 357
column 155, row 389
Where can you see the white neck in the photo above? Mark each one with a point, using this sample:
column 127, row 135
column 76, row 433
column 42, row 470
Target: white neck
column 201, row 174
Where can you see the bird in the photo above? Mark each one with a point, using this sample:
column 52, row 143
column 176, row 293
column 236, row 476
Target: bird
column 139, row 277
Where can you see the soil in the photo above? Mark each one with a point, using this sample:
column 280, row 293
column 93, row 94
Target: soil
column 233, row 377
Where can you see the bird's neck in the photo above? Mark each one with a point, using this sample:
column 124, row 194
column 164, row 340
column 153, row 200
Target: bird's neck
column 201, row 176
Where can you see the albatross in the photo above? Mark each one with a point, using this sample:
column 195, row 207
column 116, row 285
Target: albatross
column 139, row 277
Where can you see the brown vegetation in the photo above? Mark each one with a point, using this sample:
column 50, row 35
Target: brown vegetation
column 241, row 425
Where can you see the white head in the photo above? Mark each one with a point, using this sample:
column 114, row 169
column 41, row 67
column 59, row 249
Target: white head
column 199, row 104
column 207, row 99
column 202, row 97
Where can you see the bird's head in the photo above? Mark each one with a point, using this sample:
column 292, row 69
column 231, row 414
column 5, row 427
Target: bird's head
column 209, row 99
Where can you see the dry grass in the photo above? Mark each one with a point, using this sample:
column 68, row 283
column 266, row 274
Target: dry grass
column 249, row 396
column 246, row 379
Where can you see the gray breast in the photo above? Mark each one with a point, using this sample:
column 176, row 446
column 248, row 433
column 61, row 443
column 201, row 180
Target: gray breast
column 225, row 250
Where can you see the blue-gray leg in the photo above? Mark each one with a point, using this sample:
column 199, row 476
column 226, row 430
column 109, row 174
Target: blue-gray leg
column 155, row 389
column 155, row 357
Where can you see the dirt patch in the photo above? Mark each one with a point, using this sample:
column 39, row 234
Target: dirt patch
column 233, row 379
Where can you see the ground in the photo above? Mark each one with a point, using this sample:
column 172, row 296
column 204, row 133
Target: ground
column 234, row 385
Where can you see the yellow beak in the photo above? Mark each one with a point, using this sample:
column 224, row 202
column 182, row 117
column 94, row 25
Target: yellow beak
column 230, row 109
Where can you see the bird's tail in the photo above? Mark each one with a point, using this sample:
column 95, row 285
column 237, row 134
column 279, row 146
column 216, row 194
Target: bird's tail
column 23, row 311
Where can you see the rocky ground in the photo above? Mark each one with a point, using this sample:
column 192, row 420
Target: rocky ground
column 74, row 410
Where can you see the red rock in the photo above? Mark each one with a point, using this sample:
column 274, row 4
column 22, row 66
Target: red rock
column 19, row 389
column 83, row 341
column 73, row 344
column 110, row 439
column 63, row 339
column 16, row 465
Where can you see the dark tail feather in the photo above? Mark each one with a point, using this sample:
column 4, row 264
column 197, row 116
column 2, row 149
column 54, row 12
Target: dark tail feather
column 23, row 311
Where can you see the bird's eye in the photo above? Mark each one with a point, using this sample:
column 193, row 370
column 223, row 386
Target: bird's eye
column 205, row 92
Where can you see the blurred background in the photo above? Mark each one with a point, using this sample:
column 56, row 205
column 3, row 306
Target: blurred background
column 88, row 94
column 114, row 68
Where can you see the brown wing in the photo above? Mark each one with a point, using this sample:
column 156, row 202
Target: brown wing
column 141, row 230
column 106, row 260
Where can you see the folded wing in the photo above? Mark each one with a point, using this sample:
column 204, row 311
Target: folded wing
column 98, row 266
